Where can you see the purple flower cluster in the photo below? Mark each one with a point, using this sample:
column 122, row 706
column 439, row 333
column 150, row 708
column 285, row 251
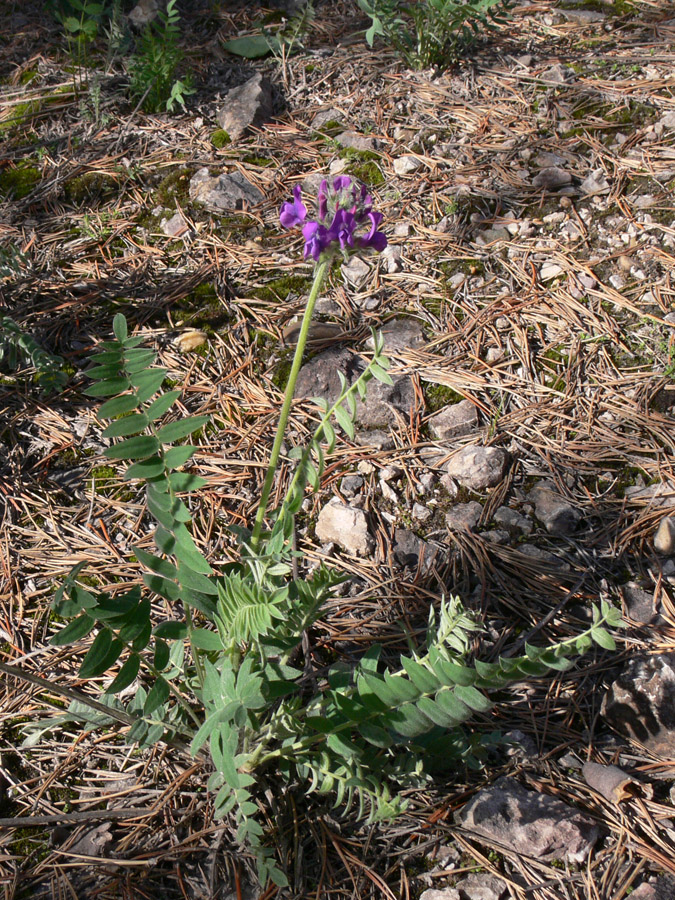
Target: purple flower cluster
column 345, row 218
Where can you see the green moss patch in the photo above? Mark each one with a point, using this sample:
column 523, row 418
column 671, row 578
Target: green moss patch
column 18, row 182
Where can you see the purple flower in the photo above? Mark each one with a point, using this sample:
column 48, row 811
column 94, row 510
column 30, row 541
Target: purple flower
column 345, row 219
column 294, row 213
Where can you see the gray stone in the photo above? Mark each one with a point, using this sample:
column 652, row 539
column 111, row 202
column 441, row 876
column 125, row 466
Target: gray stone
column 351, row 484
column 554, row 512
column 327, row 115
column 221, row 192
column 175, row 226
column 409, row 549
column 639, row 604
column 391, row 256
column 668, row 121
column 478, row 467
column 319, row 378
column 664, row 539
column 497, row 536
column 453, row 421
column 443, row 894
column 547, row 158
column 406, row 165
column 552, row 178
column 355, row 272
column 543, row 556
column 380, row 440
column 640, row 704
column 662, row 888
column 356, row 141
column 402, row 333
column 526, row 822
column 559, row 74
column 549, row 271
column 512, row 520
column 464, row 516
column 345, row 526
column 421, row 513
column 481, row 887
column 246, row 105
column 596, row 183
column 492, row 235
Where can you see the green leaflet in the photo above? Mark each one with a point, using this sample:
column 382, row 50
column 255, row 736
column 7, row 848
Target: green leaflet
column 133, row 448
column 162, row 405
column 126, row 674
column 174, row 431
column 118, row 406
column 129, row 425
column 157, row 696
column 73, row 631
column 108, row 387
column 103, row 653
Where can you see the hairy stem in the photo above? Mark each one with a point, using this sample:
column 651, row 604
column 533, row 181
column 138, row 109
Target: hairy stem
column 319, row 277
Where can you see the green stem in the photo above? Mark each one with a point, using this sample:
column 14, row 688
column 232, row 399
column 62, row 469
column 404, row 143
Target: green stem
column 319, row 277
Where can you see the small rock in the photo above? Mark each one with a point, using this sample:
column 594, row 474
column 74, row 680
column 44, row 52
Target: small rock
column 587, row 281
column 464, row 516
column 668, row 121
column 409, row 549
column 406, row 165
column 221, row 192
column 402, row 333
column 512, row 520
column 246, row 105
column 617, row 282
column 559, row 74
column 497, row 536
column 549, row 271
column 529, row 823
column 481, row 887
column 326, row 115
column 443, row 894
column 175, row 226
column 478, row 467
column 547, row 158
column 351, row 484
column 355, row 272
column 554, row 512
column 639, row 604
column 664, row 539
column 520, row 745
column 345, row 526
column 596, row 183
column 552, row 178
column 379, row 440
column 421, row 513
column 356, row 141
column 492, row 235
column 319, row 378
column 640, row 704
column 392, row 259
column 541, row 555
column 453, row 421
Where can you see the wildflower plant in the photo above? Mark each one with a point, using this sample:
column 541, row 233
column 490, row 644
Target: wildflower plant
column 431, row 32
column 224, row 671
